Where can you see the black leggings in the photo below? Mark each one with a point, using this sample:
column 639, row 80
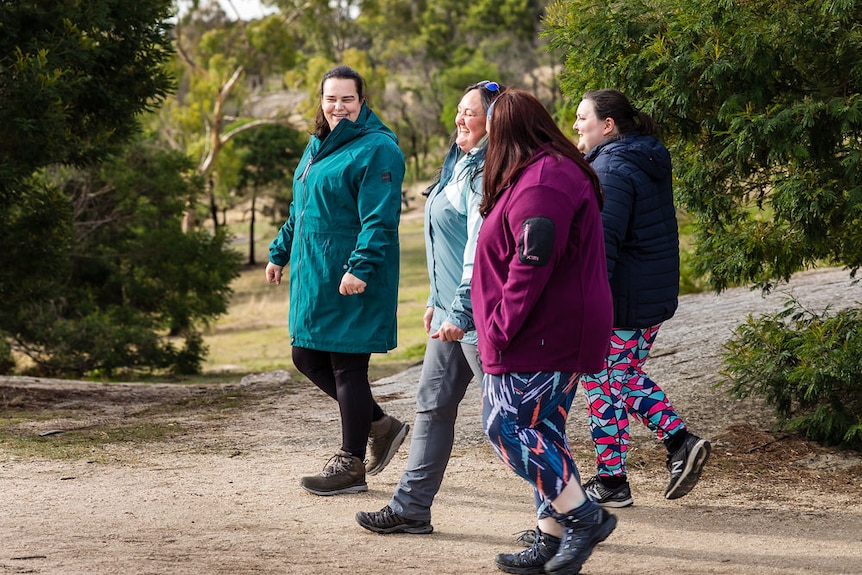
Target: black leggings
column 344, row 378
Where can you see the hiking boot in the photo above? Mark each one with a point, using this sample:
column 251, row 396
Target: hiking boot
column 387, row 521
column 608, row 496
column 533, row 558
column 685, row 465
column 581, row 533
column 384, row 439
column 527, row 537
column 343, row 473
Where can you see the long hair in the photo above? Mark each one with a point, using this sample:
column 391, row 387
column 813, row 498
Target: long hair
column 520, row 127
column 614, row 104
column 321, row 126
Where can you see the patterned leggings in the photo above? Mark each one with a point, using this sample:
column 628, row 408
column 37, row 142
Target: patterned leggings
column 524, row 415
column 623, row 389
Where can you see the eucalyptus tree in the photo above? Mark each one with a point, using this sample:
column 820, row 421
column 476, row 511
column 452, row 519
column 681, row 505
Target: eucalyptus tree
column 433, row 50
column 223, row 66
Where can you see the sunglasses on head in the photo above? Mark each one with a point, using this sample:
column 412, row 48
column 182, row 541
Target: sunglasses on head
column 488, row 85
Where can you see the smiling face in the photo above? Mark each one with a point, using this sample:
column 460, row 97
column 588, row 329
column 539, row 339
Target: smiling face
column 592, row 130
column 340, row 100
column 470, row 120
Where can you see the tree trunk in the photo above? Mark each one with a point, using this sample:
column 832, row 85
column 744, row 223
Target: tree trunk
column 251, row 261
column 213, row 205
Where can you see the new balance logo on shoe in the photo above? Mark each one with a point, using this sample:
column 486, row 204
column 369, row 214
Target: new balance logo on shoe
column 685, row 466
column 605, row 496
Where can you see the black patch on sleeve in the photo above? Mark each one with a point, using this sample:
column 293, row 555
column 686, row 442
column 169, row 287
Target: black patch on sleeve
column 386, row 178
column 536, row 243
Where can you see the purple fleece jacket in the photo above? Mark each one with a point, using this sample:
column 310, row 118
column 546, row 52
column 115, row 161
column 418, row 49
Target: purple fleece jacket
column 541, row 298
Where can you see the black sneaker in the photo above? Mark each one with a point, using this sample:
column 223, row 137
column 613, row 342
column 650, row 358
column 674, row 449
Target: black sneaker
column 606, row 496
column 685, row 465
column 387, row 521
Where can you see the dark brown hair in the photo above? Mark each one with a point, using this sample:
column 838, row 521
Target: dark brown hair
column 321, row 126
column 614, row 104
column 488, row 97
column 520, row 128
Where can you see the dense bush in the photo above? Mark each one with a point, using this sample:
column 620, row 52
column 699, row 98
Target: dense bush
column 132, row 290
column 807, row 366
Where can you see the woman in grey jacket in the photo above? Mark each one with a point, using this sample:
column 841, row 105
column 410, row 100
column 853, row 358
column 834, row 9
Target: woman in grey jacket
column 642, row 248
column 451, row 361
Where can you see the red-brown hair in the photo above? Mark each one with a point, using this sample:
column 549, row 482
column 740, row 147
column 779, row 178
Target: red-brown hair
column 521, row 127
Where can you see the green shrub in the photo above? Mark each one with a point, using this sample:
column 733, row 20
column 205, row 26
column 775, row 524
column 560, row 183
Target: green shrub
column 689, row 279
column 807, row 366
column 7, row 362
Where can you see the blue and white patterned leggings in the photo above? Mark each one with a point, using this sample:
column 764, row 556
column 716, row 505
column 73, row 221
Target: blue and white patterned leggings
column 524, row 416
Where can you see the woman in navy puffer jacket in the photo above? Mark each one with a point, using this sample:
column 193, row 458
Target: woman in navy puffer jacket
column 642, row 249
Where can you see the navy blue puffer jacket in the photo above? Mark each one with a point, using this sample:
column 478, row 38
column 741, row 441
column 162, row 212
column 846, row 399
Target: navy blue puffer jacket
column 640, row 227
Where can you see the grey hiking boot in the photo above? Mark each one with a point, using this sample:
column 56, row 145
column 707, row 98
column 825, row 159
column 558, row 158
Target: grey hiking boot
column 532, row 559
column 386, row 436
column 387, row 521
column 343, row 473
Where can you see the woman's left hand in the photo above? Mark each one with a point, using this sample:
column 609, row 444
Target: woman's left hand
column 351, row 285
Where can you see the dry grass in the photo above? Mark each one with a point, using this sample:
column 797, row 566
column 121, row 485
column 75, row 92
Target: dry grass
column 253, row 337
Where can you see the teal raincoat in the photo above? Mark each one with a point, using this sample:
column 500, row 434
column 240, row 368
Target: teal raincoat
column 344, row 218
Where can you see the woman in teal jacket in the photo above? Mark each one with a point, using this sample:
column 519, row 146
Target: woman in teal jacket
column 341, row 239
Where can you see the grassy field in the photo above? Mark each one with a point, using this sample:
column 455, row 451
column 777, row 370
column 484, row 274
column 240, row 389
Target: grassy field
column 253, row 337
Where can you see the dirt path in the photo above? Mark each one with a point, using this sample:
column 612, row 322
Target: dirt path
column 219, row 493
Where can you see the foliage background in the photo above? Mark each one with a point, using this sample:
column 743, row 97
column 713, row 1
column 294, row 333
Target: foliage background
column 141, row 150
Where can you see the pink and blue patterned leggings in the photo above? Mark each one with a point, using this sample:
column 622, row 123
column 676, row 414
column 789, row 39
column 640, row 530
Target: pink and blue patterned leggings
column 622, row 389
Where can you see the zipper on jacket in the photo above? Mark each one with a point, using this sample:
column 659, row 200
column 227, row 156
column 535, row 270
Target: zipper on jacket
column 301, row 217
column 307, row 167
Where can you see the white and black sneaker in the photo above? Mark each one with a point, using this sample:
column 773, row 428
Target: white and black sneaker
column 685, row 466
column 607, row 496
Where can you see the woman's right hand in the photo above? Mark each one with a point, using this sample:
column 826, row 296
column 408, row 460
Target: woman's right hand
column 273, row 273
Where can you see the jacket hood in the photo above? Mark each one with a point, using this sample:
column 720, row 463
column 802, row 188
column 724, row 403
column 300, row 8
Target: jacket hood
column 644, row 151
column 366, row 123
column 476, row 156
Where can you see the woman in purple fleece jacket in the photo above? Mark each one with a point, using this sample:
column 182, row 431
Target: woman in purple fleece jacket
column 542, row 306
